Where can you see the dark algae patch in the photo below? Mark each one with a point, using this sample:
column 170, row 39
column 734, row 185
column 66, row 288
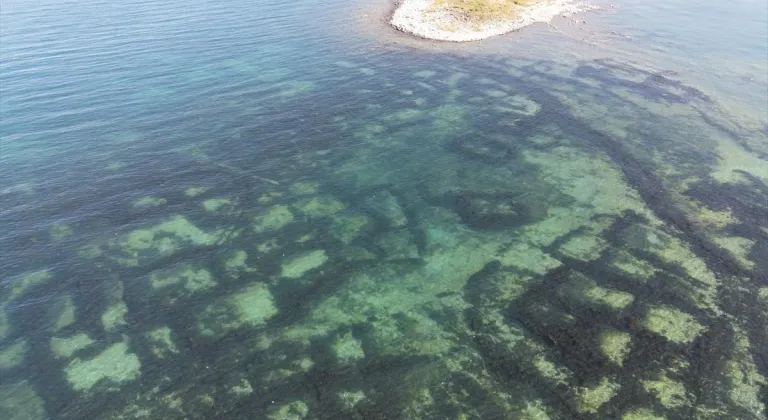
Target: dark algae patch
column 494, row 240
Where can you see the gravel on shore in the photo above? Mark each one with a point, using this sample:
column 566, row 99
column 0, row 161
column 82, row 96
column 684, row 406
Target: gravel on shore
column 423, row 19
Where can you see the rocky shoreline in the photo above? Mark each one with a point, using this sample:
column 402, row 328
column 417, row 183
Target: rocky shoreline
column 424, row 19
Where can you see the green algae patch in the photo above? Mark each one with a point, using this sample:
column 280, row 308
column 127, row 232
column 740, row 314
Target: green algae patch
column 584, row 289
column 65, row 347
column 589, row 400
column 164, row 239
column 254, row 305
column 584, row 247
column 530, row 258
column 20, row 401
column 615, row 345
column 425, row 74
column 671, row 394
column 274, row 219
column 609, row 297
column 27, row 282
column 13, row 355
column 350, row 399
column 148, row 202
column 550, row 370
column 346, row 227
column 213, row 205
column 161, row 343
column 295, row 410
column 242, row 389
column 237, row 264
column 115, row 365
column 320, row 206
column 640, row 414
column 348, row 349
column 762, row 294
column 269, row 197
column 673, row 250
column 746, row 380
column 251, row 307
column 192, row 279
column 738, row 247
column 59, row 231
column 298, row 266
column 631, row 265
column 673, row 324
column 195, row 191
column 114, row 317
column 517, row 105
column 715, row 219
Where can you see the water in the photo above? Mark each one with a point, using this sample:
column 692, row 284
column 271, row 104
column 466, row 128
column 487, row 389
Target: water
column 287, row 210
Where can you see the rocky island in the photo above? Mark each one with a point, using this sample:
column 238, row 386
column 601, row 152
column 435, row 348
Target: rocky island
column 472, row 20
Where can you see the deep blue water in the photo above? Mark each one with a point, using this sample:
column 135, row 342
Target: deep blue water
column 381, row 227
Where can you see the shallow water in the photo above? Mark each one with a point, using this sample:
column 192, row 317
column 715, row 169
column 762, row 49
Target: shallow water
column 287, row 210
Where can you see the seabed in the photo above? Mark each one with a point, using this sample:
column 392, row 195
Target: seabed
column 491, row 243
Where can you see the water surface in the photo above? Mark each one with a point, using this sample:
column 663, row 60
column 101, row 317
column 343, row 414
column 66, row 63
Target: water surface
column 290, row 211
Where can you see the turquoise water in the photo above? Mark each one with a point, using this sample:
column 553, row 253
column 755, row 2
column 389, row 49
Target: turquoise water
column 291, row 211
